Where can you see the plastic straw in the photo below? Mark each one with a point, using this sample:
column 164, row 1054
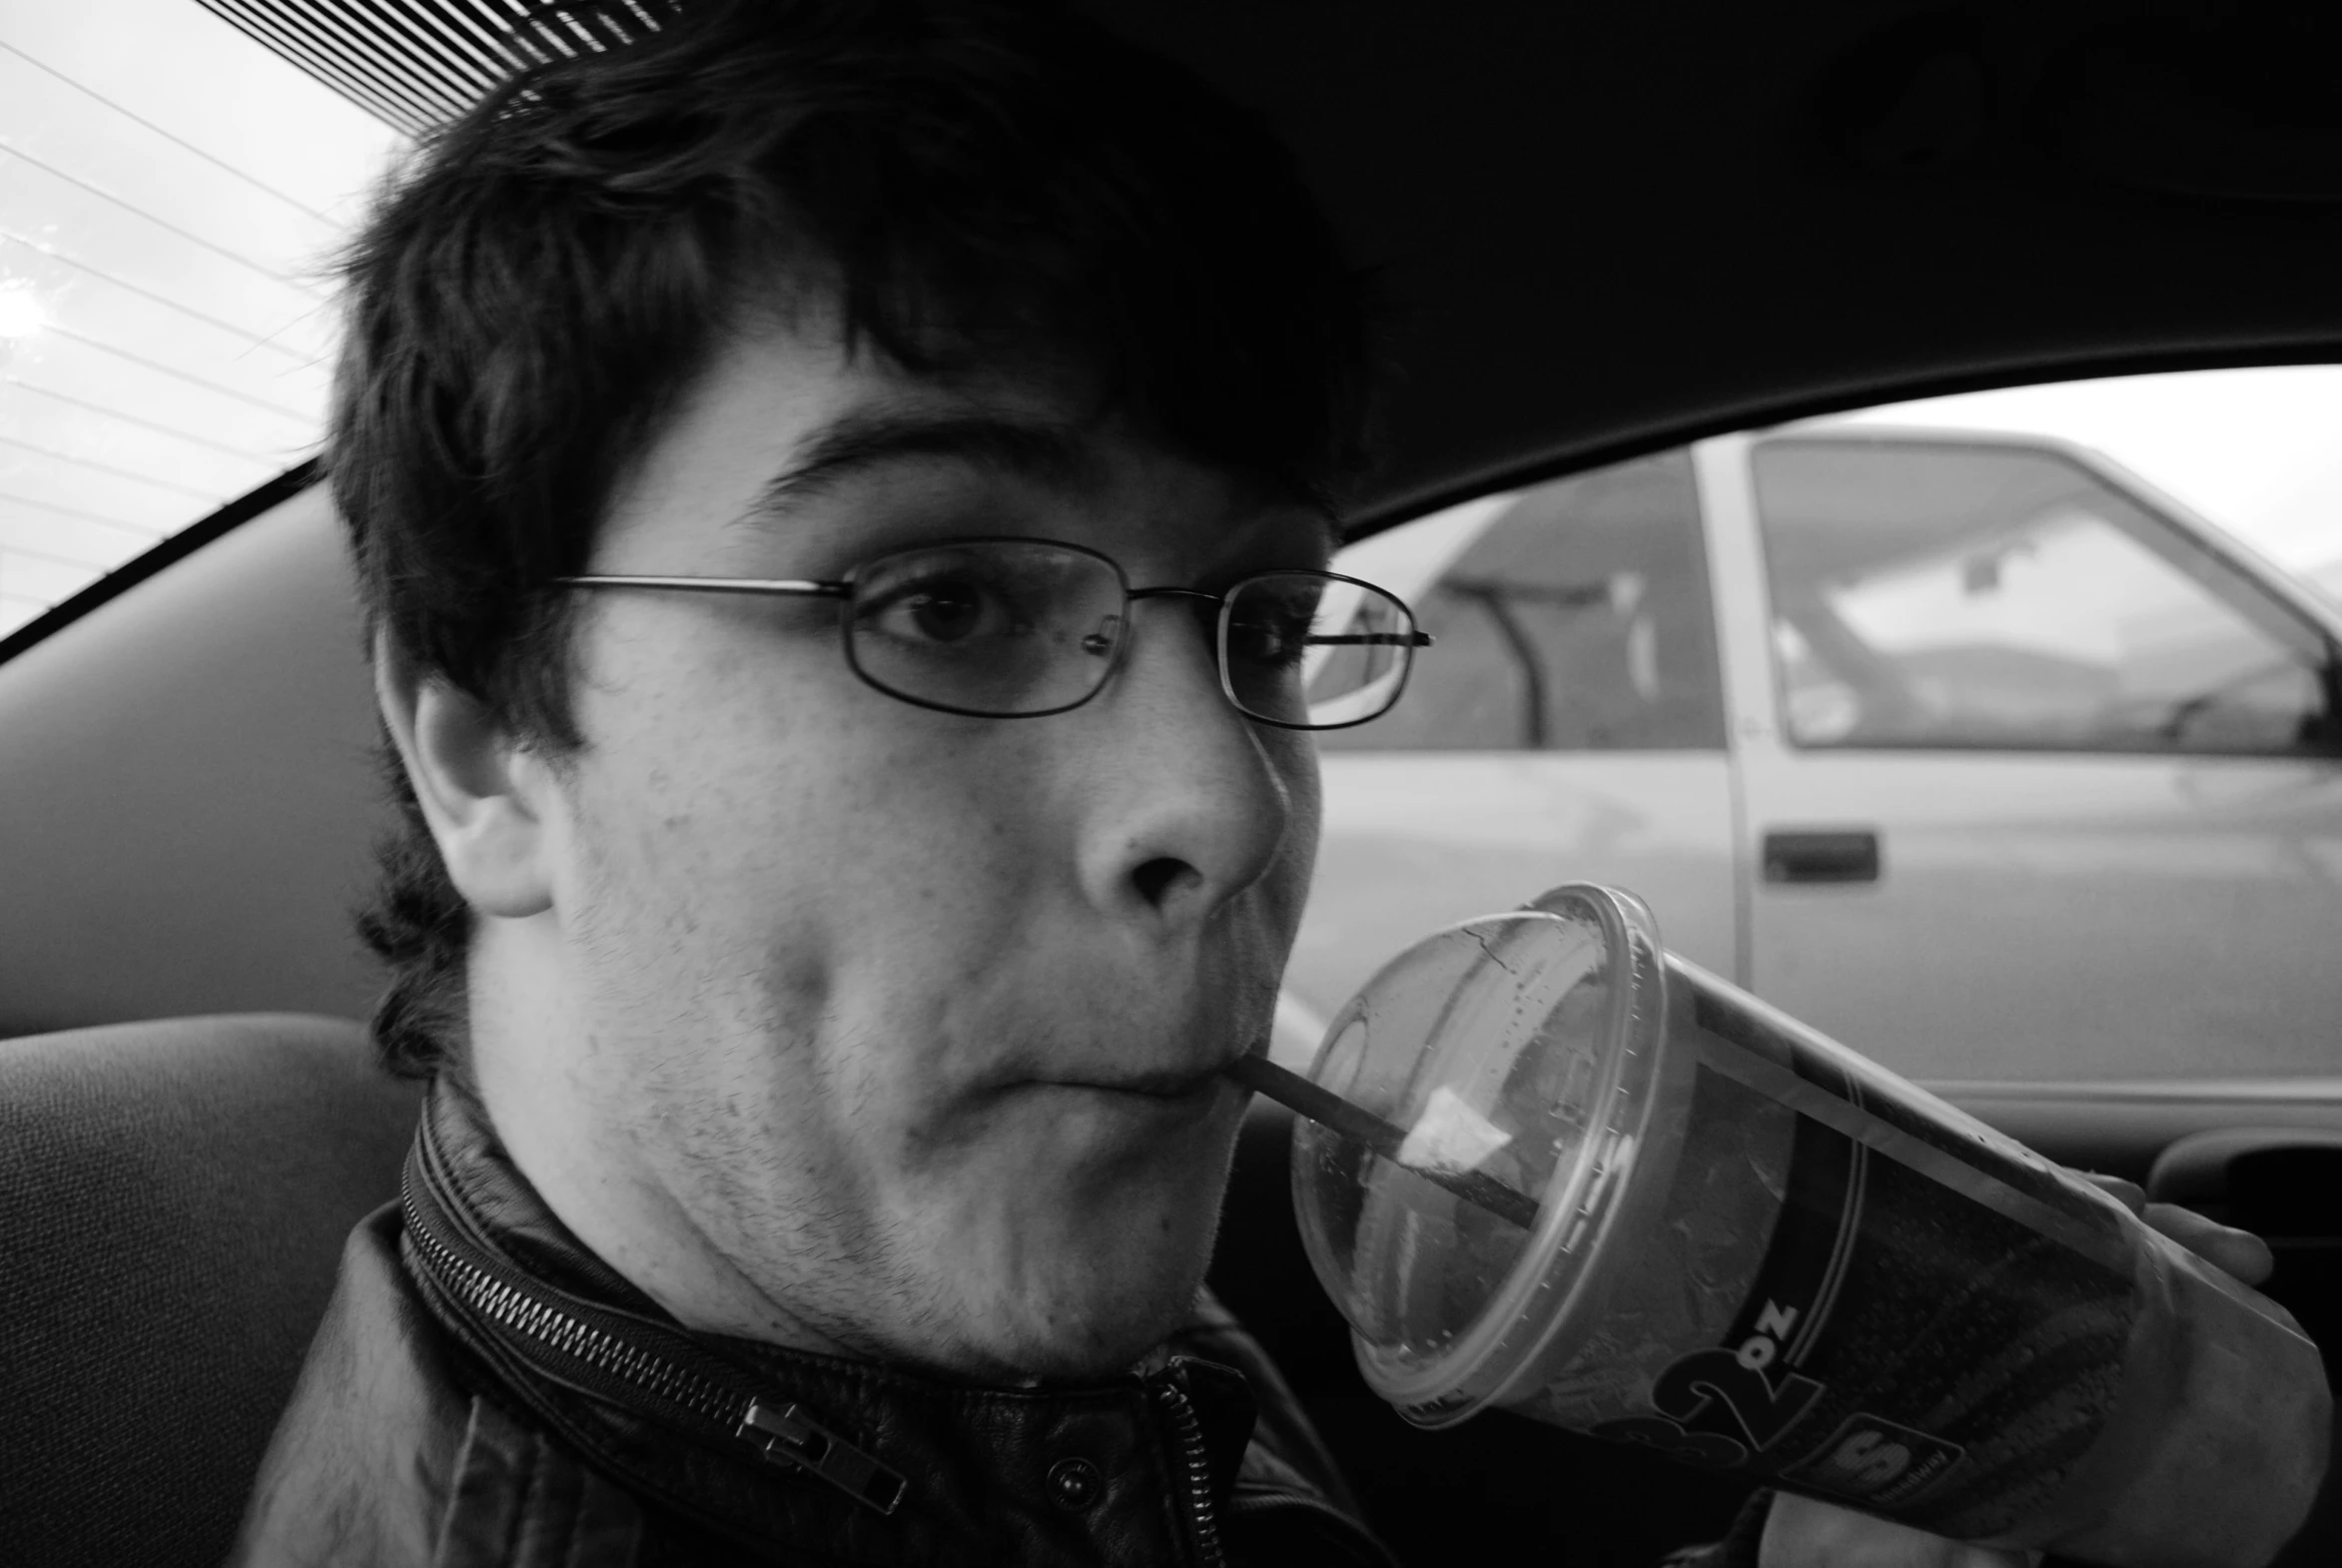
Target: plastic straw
column 1360, row 1125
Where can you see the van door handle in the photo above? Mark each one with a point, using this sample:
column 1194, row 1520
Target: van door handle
column 1838, row 855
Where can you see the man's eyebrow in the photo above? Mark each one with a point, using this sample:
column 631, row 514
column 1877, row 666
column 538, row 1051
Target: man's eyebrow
column 863, row 439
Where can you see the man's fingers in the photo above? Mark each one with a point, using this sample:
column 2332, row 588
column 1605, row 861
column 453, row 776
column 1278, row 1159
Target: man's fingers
column 2239, row 1253
column 2130, row 1195
column 1802, row 1532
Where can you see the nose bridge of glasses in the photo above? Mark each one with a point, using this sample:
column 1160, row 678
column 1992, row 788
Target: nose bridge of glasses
column 1206, row 605
column 1110, row 639
column 1331, row 601
column 1135, row 594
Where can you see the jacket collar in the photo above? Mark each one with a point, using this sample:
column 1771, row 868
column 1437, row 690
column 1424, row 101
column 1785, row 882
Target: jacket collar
column 865, row 1462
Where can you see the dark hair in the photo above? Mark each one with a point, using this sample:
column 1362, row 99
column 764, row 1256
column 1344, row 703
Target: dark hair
column 977, row 181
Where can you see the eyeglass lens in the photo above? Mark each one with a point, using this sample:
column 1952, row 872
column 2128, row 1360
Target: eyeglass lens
column 1010, row 627
column 1313, row 651
column 988, row 627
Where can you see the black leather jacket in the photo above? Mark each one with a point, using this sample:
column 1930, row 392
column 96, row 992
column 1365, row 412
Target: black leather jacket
column 484, row 1390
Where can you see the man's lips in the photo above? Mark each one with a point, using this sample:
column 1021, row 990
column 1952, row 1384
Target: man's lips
column 1157, row 1086
column 1160, row 1083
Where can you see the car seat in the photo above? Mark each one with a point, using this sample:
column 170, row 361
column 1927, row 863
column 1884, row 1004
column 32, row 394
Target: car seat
column 173, row 1196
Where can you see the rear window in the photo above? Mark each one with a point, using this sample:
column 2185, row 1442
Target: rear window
column 171, row 193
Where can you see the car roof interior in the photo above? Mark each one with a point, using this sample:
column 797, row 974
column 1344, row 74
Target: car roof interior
column 1596, row 231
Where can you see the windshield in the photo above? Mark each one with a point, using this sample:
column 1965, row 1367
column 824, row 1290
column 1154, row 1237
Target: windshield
column 171, row 196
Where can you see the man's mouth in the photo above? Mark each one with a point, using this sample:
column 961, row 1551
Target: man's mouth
column 1162, row 1085
column 1169, row 1084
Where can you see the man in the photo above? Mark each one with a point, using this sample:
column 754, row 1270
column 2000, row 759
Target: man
column 837, row 489
column 824, row 985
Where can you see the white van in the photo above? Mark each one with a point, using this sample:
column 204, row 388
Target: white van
column 1971, row 750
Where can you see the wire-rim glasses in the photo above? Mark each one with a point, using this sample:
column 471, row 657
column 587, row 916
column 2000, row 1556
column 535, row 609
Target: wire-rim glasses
column 1020, row 629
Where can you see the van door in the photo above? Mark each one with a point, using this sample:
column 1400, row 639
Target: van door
column 2040, row 780
column 1566, row 724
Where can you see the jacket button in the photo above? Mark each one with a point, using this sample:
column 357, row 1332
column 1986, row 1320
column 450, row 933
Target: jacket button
column 1074, row 1484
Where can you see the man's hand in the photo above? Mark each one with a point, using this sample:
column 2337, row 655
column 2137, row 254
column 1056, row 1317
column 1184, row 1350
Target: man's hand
column 1801, row 1532
column 2239, row 1253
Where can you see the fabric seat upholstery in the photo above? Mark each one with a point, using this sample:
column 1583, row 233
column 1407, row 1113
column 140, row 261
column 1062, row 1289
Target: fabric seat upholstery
column 173, row 1199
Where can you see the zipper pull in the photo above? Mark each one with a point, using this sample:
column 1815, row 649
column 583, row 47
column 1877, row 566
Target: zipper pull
column 785, row 1435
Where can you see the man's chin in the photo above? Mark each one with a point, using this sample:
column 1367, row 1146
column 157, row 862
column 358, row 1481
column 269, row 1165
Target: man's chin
column 1095, row 1308
column 1071, row 1253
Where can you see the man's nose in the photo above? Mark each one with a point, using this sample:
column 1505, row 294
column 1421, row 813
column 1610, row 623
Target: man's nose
column 1191, row 802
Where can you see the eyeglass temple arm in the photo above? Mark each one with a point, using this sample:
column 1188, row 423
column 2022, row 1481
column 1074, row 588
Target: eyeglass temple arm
column 1377, row 639
column 832, row 590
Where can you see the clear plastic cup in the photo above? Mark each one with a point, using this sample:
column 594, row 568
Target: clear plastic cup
column 1724, row 1236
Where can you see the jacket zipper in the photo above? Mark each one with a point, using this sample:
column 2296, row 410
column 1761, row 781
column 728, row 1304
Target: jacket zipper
column 1191, row 1434
column 782, row 1433
column 549, row 1325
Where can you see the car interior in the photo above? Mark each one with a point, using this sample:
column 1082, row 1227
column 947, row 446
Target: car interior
column 1597, row 233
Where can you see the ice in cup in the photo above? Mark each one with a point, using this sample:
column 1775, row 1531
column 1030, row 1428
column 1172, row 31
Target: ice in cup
column 1722, row 1235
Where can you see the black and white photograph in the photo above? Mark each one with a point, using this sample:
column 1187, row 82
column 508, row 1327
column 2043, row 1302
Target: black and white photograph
column 1171, row 783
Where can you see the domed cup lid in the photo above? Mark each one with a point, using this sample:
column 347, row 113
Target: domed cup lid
column 1529, row 1049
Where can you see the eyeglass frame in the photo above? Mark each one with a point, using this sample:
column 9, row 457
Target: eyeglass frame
column 842, row 590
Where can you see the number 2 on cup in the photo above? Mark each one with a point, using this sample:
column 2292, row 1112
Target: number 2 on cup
column 1690, row 1390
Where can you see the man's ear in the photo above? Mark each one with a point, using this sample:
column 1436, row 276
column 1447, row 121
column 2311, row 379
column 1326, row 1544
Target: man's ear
column 487, row 796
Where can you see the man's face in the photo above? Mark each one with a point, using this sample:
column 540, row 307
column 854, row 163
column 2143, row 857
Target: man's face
column 913, row 1017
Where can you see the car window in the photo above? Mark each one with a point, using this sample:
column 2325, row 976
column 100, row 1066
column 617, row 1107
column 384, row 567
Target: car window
column 1567, row 616
column 1926, row 593
column 168, row 213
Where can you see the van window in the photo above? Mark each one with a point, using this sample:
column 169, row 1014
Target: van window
column 1938, row 595
column 1567, row 616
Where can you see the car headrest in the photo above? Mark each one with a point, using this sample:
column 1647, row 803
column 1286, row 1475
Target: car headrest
column 173, row 1200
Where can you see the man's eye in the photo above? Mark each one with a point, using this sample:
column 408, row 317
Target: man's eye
column 941, row 612
column 944, row 615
